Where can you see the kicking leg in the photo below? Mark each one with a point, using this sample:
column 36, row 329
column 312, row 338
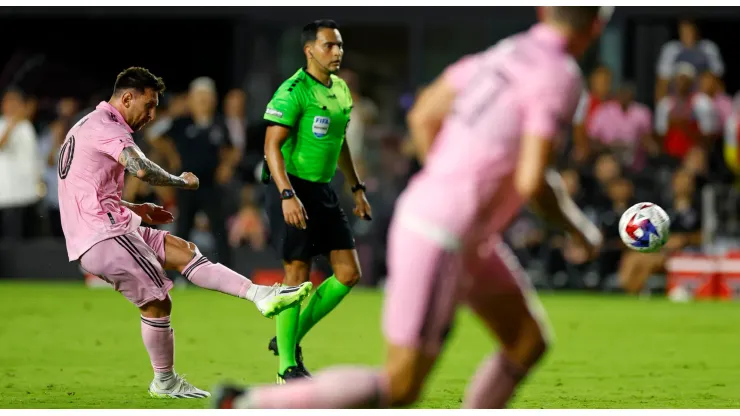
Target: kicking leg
column 184, row 257
column 498, row 294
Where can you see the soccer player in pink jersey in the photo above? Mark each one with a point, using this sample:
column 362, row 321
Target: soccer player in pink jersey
column 103, row 232
column 485, row 130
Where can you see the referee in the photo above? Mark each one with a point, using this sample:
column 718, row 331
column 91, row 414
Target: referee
column 304, row 144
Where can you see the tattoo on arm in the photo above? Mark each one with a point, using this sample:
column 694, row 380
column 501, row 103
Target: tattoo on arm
column 138, row 165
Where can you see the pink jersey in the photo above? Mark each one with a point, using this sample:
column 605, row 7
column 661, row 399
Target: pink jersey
column 91, row 181
column 527, row 84
column 612, row 124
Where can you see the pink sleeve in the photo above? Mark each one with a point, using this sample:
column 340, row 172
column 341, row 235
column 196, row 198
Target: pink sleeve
column 548, row 108
column 113, row 146
column 459, row 73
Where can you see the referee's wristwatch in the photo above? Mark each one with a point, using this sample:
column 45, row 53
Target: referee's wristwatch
column 359, row 186
column 287, row 194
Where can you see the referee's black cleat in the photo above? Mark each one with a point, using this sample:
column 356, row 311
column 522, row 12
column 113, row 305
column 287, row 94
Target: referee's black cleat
column 291, row 374
column 225, row 396
column 298, row 355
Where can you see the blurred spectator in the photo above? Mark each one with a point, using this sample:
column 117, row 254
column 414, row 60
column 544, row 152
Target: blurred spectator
column 161, row 152
column 235, row 111
column 685, row 233
column 624, row 127
column 731, row 144
column 175, row 106
column 20, row 173
column 606, row 169
column 249, row 225
column 702, row 54
column 685, row 119
column 526, row 236
column 50, row 142
column 364, row 113
column 621, row 196
column 202, row 143
column 712, row 86
column 696, row 162
column 32, row 107
column 599, row 89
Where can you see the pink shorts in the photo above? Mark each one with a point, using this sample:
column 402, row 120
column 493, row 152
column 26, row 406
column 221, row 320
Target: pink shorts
column 133, row 263
column 427, row 282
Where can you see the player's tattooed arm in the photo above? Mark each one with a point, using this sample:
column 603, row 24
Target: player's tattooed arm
column 137, row 164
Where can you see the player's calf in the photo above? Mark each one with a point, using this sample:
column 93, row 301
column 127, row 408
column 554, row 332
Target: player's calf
column 296, row 272
column 406, row 370
column 159, row 340
column 348, row 276
column 523, row 343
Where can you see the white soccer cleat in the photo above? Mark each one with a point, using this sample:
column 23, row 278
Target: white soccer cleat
column 178, row 389
column 282, row 297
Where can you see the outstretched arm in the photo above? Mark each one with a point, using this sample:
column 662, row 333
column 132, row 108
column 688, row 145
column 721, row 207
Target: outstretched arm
column 133, row 159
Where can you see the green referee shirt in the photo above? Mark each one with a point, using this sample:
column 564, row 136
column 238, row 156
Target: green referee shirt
column 317, row 117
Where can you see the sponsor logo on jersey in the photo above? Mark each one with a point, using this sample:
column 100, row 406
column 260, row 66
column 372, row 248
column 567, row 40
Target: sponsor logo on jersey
column 320, row 126
column 274, row 112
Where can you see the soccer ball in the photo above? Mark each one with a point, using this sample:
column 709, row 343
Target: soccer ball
column 644, row 227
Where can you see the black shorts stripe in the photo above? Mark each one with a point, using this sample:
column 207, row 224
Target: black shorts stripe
column 155, row 324
column 149, row 264
column 138, row 261
column 200, row 261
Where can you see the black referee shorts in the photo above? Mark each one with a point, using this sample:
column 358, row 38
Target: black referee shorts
column 327, row 228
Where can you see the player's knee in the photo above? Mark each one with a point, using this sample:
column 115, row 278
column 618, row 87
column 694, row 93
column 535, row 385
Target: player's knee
column 296, row 272
column 157, row 308
column 188, row 251
column 530, row 345
column 191, row 249
column 350, row 277
column 179, row 253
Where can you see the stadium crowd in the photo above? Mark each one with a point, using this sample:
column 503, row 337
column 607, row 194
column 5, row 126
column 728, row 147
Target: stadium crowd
column 620, row 152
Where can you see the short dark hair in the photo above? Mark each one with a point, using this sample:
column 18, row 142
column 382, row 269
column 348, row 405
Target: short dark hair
column 577, row 17
column 139, row 79
column 309, row 32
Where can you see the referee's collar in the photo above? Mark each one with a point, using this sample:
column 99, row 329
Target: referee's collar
column 331, row 82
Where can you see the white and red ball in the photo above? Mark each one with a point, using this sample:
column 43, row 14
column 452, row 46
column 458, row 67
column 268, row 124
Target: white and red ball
column 644, row 227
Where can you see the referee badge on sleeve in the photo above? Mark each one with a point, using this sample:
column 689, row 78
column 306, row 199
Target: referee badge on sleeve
column 320, row 126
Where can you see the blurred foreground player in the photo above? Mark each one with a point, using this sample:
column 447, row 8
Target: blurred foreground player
column 486, row 129
column 104, row 233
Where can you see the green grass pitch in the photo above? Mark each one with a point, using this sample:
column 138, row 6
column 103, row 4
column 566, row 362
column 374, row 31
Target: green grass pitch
column 66, row 346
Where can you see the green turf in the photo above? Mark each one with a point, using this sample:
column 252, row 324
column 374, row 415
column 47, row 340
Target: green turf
column 65, row 346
